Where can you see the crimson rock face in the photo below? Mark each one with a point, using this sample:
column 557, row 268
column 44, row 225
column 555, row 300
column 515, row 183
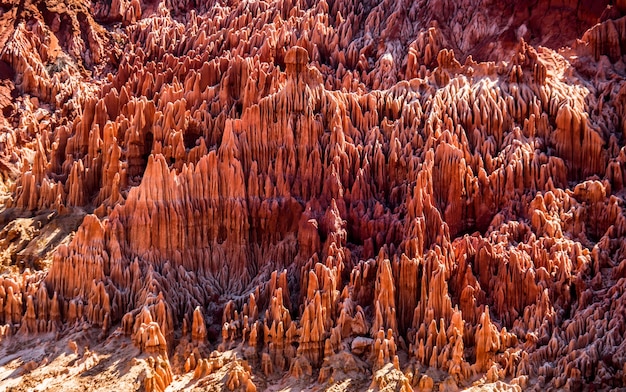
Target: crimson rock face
column 403, row 195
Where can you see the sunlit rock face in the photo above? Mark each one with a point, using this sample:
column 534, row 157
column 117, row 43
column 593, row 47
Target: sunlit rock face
column 292, row 194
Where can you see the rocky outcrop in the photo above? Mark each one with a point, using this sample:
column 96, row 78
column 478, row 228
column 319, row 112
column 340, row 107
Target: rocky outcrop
column 398, row 193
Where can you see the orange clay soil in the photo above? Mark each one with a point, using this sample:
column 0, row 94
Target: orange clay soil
column 312, row 195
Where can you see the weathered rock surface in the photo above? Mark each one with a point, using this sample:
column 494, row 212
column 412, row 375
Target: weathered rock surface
column 397, row 195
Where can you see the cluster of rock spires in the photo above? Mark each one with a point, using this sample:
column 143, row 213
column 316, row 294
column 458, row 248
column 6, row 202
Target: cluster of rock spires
column 330, row 189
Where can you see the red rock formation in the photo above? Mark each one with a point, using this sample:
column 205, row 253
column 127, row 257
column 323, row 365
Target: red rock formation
column 329, row 190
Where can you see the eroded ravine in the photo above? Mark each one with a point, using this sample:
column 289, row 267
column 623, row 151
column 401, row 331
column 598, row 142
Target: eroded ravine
column 312, row 195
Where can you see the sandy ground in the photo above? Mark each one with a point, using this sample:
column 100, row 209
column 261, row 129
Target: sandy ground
column 45, row 363
column 80, row 360
column 29, row 240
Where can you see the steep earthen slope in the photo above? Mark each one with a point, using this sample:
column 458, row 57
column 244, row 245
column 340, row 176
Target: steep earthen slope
column 349, row 195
